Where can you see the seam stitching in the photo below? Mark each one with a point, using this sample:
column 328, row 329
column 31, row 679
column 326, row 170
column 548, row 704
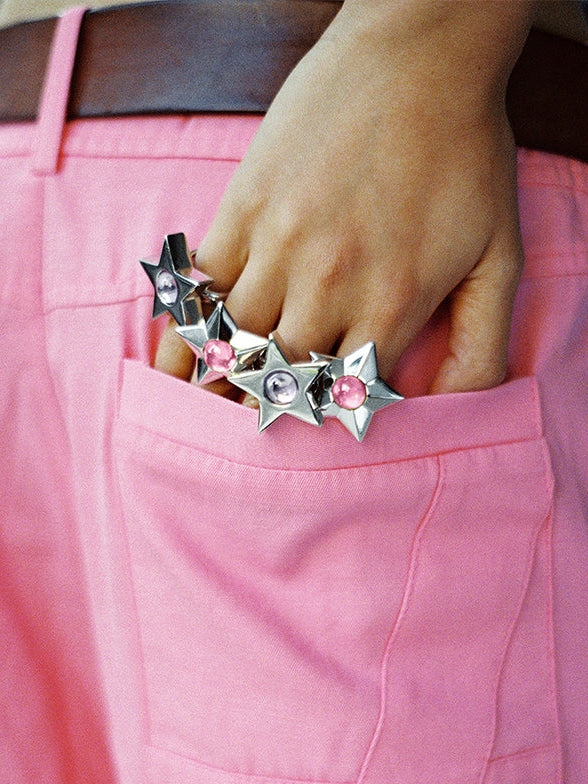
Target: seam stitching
column 408, row 592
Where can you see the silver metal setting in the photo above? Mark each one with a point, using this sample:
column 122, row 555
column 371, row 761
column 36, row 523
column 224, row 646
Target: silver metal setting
column 347, row 388
column 175, row 268
column 249, row 349
column 363, row 365
column 304, row 404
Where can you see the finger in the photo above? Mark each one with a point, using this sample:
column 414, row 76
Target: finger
column 249, row 401
column 480, row 317
column 388, row 351
column 174, row 356
column 223, row 252
column 310, row 321
column 255, row 301
column 391, row 328
column 222, row 387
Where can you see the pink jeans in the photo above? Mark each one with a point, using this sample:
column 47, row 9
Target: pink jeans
column 183, row 601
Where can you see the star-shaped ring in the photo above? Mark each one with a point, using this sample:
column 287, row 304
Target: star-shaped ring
column 283, row 388
column 176, row 293
column 221, row 347
column 353, row 390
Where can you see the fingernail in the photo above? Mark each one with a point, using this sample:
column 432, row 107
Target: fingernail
column 250, row 402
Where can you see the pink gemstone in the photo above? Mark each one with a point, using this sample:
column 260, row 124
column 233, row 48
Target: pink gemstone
column 349, row 392
column 219, row 356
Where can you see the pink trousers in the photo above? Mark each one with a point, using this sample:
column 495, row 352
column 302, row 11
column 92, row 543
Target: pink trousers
column 183, row 601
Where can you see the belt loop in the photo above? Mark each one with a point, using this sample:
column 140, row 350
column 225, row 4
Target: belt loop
column 54, row 98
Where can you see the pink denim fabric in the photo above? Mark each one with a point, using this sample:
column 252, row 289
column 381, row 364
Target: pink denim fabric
column 183, row 601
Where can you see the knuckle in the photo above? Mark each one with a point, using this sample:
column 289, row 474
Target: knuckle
column 398, row 298
column 333, row 266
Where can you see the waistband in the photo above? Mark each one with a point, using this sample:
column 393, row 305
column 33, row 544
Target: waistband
column 233, row 56
column 166, row 57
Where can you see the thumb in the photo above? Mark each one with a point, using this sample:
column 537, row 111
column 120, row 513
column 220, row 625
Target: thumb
column 480, row 318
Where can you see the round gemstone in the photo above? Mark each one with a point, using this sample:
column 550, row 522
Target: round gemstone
column 166, row 288
column 349, row 392
column 219, row 356
column 280, row 387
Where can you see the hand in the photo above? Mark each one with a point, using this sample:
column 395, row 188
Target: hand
column 380, row 183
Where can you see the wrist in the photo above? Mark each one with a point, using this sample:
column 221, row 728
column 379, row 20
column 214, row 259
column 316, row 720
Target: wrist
column 460, row 52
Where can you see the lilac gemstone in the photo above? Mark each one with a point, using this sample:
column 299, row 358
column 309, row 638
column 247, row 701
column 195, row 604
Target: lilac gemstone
column 349, row 392
column 219, row 356
column 166, row 288
column 280, row 387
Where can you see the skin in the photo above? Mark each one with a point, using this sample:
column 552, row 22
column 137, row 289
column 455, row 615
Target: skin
column 381, row 183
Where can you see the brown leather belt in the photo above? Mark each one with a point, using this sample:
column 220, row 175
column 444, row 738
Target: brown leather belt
column 233, row 55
